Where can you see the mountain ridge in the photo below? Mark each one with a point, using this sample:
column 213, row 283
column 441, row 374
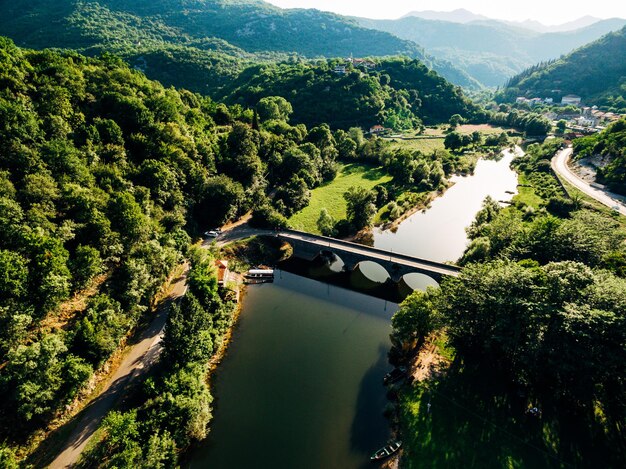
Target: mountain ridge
column 596, row 72
column 491, row 51
column 251, row 27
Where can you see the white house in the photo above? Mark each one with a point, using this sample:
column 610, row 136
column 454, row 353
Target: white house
column 571, row 99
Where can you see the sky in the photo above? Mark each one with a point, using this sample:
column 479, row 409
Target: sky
column 546, row 11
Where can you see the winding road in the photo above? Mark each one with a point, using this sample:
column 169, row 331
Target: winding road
column 610, row 199
column 139, row 359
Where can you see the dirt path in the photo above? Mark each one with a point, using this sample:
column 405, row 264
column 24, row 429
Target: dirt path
column 137, row 362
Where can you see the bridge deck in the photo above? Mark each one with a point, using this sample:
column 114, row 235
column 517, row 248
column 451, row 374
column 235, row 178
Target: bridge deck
column 375, row 254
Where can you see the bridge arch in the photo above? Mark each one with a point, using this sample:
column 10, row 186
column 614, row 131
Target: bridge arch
column 417, row 281
column 371, row 270
column 308, row 246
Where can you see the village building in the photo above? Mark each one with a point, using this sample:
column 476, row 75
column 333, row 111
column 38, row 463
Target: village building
column 571, row 99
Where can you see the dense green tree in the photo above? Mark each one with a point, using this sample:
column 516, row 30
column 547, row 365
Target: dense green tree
column 220, row 200
column 241, row 161
column 36, row 375
column 183, row 407
column 346, row 146
column 100, row 330
column 416, row 318
column 14, row 276
column 326, row 223
column 49, row 276
column 128, row 218
column 455, row 141
column 455, row 120
column 274, row 108
column 361, row 208
column 188, row 332
column 295, row 195
column 85, row 265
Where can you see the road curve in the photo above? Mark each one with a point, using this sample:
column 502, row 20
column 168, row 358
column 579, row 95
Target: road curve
column 137, row 361
column 559, row 165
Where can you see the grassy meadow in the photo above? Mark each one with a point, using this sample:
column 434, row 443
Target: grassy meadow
column 330, row 195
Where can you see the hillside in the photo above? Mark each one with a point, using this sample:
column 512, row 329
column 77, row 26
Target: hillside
column 611, row 145
column 397, row 93
column 490, row 51
column 104, row 177
column 596, row 72
column 196, row 44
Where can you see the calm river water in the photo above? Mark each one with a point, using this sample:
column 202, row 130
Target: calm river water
column 301, row 385
column 438, row 234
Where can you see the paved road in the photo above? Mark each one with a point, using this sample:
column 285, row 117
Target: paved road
column 137, row 362
column 559, row 165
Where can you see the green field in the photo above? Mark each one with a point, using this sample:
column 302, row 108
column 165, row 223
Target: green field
column 425, row 145
column 527, row 195
column 330, row 195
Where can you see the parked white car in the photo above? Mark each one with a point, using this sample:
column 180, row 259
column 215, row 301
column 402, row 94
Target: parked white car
column 211, row 234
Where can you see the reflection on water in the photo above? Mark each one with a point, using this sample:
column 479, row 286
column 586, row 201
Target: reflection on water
column 301, row 385
column 326, row 265
column 415, row 281
column 438, row 233
column 368, row 275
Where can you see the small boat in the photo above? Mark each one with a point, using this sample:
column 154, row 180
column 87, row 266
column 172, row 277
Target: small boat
column 259, row 276
column 386, row 451
column 260, row 273
column 395, row 375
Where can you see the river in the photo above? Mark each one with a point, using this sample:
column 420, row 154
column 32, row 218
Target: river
column 301, row 385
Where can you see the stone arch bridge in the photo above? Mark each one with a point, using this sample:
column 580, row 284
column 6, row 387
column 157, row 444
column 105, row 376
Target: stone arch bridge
column 308, row 246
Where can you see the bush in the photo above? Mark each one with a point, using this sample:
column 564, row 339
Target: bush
column 268, row 218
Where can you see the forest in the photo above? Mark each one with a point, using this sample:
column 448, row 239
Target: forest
column 398, row 93
column 199, row 45
column 106, row 178
column 538, row 313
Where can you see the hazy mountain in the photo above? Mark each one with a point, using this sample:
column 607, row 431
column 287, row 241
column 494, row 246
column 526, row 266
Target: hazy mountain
column 595, row 72
column 536, row 26
column 464, row 16
column 244, row 27
column 491, row 51
column 460, row 15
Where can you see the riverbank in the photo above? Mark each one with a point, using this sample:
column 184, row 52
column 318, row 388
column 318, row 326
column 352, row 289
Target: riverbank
column 243, row 254
column 431, row 360
column 421, row 206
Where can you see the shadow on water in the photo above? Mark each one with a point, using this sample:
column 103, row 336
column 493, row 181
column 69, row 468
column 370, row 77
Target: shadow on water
column 370, row 429
column 363, row 279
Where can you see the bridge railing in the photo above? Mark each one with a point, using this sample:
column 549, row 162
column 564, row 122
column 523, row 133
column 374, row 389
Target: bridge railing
column 362, row 247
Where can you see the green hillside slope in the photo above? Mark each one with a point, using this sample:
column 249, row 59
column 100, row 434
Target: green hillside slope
column 395, row 93
column 197, row 44
column 596, row 72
